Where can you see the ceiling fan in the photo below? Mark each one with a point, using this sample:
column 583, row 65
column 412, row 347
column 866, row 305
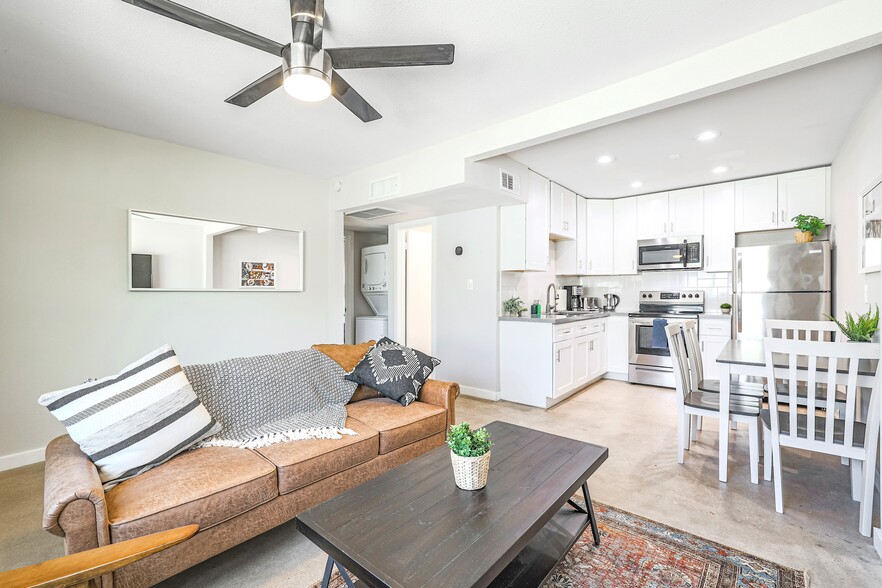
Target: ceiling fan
column 308, row 71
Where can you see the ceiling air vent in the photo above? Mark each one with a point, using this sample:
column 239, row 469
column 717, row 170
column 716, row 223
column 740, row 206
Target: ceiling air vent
column 509, row 182
column 372, row 213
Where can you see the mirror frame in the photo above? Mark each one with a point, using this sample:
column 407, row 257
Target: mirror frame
column 301, row 241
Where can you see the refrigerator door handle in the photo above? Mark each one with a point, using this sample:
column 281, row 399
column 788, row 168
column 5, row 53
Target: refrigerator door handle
column 738, row 313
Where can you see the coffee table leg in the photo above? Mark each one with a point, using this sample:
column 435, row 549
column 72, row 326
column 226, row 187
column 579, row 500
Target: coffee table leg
column 329, row 567
column 591, row 516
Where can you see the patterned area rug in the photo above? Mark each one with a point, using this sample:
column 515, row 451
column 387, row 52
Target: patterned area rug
column 639, row 553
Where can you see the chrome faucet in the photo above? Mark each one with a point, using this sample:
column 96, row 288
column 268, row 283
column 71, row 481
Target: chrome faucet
column 549, row 306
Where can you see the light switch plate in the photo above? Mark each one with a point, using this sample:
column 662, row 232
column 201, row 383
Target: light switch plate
column 470, row 284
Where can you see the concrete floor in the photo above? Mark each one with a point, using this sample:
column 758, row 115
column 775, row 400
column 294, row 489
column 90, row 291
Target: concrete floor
column 818, row 531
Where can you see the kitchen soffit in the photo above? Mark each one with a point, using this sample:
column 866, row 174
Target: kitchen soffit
column 793, row 121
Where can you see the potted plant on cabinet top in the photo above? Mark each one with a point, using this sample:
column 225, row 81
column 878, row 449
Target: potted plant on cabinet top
column 860, row 327
column 513, row 306
column 470, row 455
column 809, row 227
column 726, row 308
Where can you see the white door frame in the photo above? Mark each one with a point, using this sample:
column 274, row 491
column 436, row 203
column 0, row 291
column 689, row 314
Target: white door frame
column 398, row 246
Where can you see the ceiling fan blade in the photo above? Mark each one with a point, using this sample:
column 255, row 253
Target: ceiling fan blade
column 207, row 23
column 352, row 100
column 258, row 89
column 397, row 56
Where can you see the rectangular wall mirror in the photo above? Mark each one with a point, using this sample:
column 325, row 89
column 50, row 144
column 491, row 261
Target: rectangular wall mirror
column 169, row 252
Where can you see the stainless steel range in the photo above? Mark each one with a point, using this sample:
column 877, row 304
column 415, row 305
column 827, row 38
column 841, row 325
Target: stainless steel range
column 648, row 363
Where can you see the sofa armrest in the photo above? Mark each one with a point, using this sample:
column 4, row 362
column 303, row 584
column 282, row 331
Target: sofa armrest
column 73, row 498
column 441, row 394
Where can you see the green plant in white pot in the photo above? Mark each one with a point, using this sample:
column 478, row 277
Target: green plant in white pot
column 513, row 306
column 726, row 308
column 859, row 327
column 470, row 455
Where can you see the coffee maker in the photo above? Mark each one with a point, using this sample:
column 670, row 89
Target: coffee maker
column 574, row 298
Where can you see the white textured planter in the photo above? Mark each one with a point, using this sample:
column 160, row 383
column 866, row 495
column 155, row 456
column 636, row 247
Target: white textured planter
column 470, row 473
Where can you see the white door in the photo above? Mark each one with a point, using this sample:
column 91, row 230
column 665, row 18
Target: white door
column 625, row 236
column 581, row 235
column 580, row 360
column 562, row 213
column 711, row 347
column 802, row 192
column 652, row 216
column 563, row 367
column 719, row 227
column 418, row 289
column 756, row 204
column 599, row 254
column 536, row 223
column 686, row 212
column 569, row 255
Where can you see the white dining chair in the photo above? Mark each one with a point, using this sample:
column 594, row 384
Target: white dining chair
column 692, row 402
column 807, row 363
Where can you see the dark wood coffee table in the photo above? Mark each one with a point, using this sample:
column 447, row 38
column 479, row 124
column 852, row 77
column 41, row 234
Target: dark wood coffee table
column 412, row 526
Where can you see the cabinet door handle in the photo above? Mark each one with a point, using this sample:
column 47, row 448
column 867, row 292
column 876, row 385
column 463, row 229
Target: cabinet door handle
column 672, row 226
column 706, row 260
column 633, row 264
column 773, row 217
column 702, row 346
column 664, row 228
column 590, row 263
column 558, row 356
column 591, row 348
column 782, row 217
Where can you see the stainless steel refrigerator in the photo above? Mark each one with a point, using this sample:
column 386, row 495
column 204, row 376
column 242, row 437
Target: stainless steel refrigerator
column 780, row 282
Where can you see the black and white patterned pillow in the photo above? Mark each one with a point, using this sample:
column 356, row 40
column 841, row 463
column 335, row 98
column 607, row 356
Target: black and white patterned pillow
column 395, row 371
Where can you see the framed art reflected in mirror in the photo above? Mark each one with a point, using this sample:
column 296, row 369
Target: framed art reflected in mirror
column 177, row 253
column 871, row 228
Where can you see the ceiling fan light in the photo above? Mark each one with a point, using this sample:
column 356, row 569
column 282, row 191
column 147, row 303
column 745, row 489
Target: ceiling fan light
column 307, row 84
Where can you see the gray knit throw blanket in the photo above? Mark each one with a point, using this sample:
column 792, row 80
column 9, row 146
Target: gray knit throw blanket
column 273, row 398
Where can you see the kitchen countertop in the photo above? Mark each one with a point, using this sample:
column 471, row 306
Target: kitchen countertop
column 556, row 319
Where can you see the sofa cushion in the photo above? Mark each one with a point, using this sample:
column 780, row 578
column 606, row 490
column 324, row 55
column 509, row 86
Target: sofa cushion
column 396, row 371
column 399, row 425
column 301, row 463
column 206, row 486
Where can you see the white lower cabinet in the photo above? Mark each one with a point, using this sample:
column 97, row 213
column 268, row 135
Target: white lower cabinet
column 542, row 363
column 617, row 347
column 714, row 331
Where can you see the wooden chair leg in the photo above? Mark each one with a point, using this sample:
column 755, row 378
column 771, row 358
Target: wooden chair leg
column 856, row 479
column 767, row 455
column 753, row 445
column 779, row 482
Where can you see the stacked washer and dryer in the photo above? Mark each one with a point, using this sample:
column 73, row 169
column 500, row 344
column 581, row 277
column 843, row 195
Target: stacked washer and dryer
column 375, row 289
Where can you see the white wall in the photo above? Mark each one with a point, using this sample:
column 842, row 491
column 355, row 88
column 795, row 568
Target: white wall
column 466, row 323
column 65, row 187
column 178, row 251
column 856, row 166
column 280, row 247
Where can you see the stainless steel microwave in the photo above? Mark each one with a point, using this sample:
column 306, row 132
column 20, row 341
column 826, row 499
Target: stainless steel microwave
column 670, row 253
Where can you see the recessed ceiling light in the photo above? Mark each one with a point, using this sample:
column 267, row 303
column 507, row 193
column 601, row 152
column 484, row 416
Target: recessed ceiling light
column 637, row 184
column 707, row 135
column 720, row 169
column 605, row 159
column 674, row 156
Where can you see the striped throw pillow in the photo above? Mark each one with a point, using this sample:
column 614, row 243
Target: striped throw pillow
column 135, row 420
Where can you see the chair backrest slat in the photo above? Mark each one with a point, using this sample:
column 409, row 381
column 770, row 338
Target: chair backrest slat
column 810, row 396
column 803, row 330
column 693, row 353
column 831, row 398
column 792, row 397
column 678, row 358
column 850, row 408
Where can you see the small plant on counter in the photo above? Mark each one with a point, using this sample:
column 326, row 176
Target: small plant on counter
column 859, row 327
column 809, row 227
column 469, row 455
column 725, row 308
column 513, row 306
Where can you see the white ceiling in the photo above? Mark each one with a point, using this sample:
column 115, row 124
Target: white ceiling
column 115, row 65
column 790, row 122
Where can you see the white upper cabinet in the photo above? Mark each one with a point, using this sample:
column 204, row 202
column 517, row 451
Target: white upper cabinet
column 719, row 227
column 756, row 204
column 686, row 212
column 803, row 192
column 625, row 236
column 600, row 237
column 523, row 229
column 652, row 216
column 770, row 202
column 563, row 215
column 570, row 255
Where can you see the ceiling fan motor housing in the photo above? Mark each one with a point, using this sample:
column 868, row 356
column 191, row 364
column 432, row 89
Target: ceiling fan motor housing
column 302, row 58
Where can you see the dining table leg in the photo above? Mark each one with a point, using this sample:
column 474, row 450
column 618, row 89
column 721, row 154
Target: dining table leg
column 725, row 378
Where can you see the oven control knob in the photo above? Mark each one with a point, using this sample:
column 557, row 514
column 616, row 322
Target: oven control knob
column 644, row 295
column 682, row 296
column 650, row 295
column 690, row 296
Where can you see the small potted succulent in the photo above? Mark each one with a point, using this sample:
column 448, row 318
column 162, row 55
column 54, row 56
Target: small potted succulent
column 809, row 227
column 726, row 308
column 859, row 327
column 513, row 306
column 470, row 455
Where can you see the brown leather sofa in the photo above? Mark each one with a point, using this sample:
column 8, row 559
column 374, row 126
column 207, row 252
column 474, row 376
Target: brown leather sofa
column 234, row 494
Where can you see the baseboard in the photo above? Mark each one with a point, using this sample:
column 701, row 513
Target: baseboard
column 615, row 376
column 16, row 460
column 478, row 393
